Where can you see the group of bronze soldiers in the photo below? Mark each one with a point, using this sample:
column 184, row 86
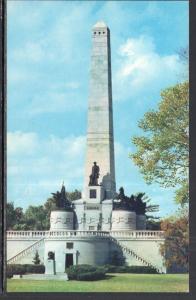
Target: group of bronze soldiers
column 133, row 203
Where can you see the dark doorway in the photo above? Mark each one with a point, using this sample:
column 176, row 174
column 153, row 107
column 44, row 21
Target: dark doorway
column 69, row 260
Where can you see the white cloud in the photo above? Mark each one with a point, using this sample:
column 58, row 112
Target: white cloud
column 48, row 61
column 37, row 166
column 55, row 102
column 27, row 14
column 49, row 64
column 72, row 85
column 21, row 143
column 19, row 75
column 31, row 52
column 142, row 69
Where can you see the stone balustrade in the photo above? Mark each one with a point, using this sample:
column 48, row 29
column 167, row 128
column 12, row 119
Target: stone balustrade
column 135, row 234
column 25, row 251
column 27, row 234
column 139, row 234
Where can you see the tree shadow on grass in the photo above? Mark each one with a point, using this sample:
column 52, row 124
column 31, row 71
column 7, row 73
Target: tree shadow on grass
column 108, row 276
column 105, row 278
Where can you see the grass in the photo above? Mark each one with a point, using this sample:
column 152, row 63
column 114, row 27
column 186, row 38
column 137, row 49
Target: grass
column 112, row 283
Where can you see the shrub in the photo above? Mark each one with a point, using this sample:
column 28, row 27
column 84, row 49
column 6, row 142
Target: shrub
column 96, row 275
column 130, row 269
column 117, row 259
column 36, row 269
column 36, row 259
column 110, row 268
column 17, row 269
column 85, row 272
column 73, row 271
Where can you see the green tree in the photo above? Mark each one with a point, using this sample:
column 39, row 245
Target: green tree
column 35, row 217
column 175, row 248
column 117, row 258
column 153, row 223
column 75, row 195
column 162, row 152
column 10, row 215
column 14, row 216
column 149, row 206
column 36, row 259
column 49, row 205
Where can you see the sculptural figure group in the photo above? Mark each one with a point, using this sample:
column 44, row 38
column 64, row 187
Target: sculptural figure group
column 133, row 203
column 61, row 200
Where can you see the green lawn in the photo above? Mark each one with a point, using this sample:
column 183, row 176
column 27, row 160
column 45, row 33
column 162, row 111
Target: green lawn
column 113, row 283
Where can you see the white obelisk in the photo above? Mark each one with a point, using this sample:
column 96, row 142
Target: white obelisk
column 100, row 143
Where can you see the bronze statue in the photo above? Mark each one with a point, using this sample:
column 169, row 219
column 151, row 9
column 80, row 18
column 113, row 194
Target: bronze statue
column 51, row 255
column 61, row 200
column 123, row 204
column 140, row 206
column 121, row 194
column 132, row 203
column 94, row 175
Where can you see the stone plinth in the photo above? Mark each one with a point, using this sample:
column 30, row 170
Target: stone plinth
column 61, row 220
column 94, row 194
column 50, row 267
column 107, row 206
column 123, row 220
column 141, row 222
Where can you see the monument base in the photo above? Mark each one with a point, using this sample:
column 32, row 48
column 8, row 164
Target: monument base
column 141, row 222
column 50, row 267
column 94, row 194
column 123, row 220
column 61, row 220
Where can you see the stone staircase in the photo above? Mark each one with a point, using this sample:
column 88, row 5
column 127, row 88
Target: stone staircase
column 25, row 251
column 123, row 248
column 132, row 253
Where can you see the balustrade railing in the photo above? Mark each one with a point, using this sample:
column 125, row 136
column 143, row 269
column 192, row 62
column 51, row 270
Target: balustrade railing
column 138, row 234
column 138, row 256
column 25, row 251
column 135, row 234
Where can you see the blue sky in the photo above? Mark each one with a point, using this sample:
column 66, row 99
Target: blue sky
column 48, row 51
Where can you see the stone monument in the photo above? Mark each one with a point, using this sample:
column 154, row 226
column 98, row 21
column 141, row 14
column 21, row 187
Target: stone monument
column 91, row 229
column 62, row 215
column 100, row 143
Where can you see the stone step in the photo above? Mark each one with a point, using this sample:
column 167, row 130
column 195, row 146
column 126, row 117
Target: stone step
column 132, row 253
column 25, row 251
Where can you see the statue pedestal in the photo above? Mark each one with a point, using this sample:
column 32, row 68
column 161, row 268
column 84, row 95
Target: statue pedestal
column 61, row 220
column 94, row 194
column 50, row 267
column 123, row 220
column 141, row 222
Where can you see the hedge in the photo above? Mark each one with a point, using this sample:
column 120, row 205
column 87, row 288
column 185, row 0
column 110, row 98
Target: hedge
column 96, row 275
column 85, row 272
column 17, row 269
column 130, row 269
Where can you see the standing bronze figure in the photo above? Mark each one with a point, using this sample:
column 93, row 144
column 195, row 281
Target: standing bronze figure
column 94, row 175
